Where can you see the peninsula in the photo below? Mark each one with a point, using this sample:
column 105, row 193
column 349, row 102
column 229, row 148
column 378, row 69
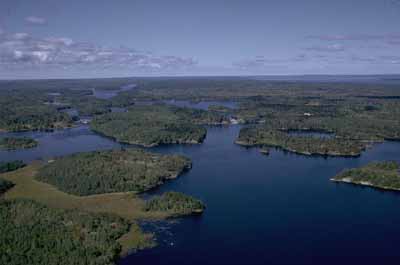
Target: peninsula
column 382, row 175
column 155, row 125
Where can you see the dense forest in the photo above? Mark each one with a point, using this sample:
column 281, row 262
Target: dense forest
column 26, row 110
column 354, row 122
column 384, row 175
column 306, row 145
column 35, row 234
column 112, row 171
column 156, row 124
column 5, row 185
column 11, row 166
column 175, row 203
column 11, row 143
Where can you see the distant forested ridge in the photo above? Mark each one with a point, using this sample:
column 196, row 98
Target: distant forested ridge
column 11, row 143
column 35, row 234
column 384, row 175
column 157, row 124
column 112, row 171
column 175, row 203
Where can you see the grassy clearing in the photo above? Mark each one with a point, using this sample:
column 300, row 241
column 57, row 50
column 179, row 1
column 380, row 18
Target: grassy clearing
column 135, row 240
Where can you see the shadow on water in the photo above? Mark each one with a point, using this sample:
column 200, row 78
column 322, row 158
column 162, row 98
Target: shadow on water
column 276, row 209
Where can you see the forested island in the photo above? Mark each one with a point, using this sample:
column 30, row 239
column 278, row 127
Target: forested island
column 156, row 124
column 175, row 203
column 12, row 143
column 305, row 145
column 382, row 175
column 100, row 172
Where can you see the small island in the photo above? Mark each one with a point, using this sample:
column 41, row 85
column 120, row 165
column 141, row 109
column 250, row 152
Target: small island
column 127, row 170
column 382, row 175
column 13, row 143
column 176, row 204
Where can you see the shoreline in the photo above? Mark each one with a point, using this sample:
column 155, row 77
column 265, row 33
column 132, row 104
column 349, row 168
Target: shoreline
column 304, row 153
column 364, row 184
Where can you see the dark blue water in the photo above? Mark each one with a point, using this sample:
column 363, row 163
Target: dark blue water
column 276, row 209
column 58, row 143
column 280, row 209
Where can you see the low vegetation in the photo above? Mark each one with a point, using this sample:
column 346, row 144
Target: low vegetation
column 384, row 175
column 12, row 143
column 112, row 171
column 175, row 203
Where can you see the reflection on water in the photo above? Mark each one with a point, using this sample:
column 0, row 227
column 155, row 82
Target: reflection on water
column 107, row 94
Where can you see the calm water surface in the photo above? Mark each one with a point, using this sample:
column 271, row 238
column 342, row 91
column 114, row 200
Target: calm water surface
column 276, row 209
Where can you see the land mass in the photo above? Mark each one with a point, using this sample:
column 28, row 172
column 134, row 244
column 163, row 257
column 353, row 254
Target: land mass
column 382, row 175
column 304, row 145
column 155, row 125
column 132, row 170
column 95, row 229
column 32, row 233
column 13, row 143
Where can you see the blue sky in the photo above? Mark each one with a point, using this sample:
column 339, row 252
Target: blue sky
column 51, row 39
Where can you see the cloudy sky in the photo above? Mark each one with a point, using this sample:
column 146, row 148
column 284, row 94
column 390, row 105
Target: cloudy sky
column 103, row 38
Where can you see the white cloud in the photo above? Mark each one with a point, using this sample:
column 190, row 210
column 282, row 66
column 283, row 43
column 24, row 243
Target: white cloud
column 35, row 20
column 327, row 48
column 22, row 50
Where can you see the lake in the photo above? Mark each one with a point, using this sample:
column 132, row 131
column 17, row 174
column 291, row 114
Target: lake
column 276, row 209
column 110, row 93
